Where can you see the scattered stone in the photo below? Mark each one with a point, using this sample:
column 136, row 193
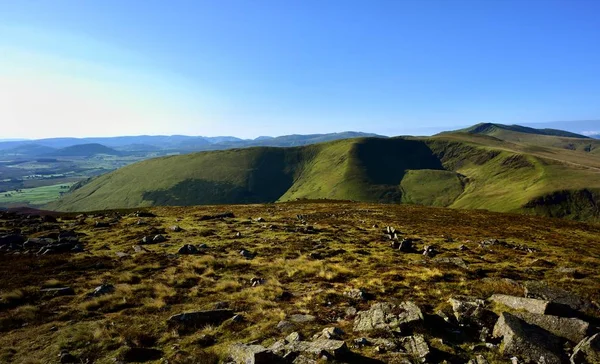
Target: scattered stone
column 139, row 249
column 67, row 358
column 237, row 318
column 527, row 341
column 387, row 316
column 572, row 329
column 361, row 342
column 299, row 318
column 417, row 347
column 256, row 281
column 451, row 261
column 587, row 351
column 462, row 248
column 246, row 254
column 101, row 224
column 221, row 305
column 252, row 354
column 479, row 359
column 351, row 312
column 357, row 294
column 429, row 251
column 153, row 239
column 330, row 333
column 260, row 219
column 102, row 290
column 200, row 318
column 532, row 305
column 175, row 228
column 56, row 292
column 293, row 337
column 541, row 290
column 205, row 341
column 406, row 246
column 217, row 216
column 188, row 249
column 121, row 254
column 144, row 214
column 285, row 326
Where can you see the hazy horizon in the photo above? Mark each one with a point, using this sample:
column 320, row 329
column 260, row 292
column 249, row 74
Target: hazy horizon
column 241, row 68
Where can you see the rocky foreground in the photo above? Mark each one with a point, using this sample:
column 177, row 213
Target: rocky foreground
column 298, row 283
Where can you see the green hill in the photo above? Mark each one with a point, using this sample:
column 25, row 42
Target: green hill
column 84, row 150
column 500, row 129
column 458, row 170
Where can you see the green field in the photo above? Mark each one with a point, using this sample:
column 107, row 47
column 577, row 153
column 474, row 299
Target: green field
column 33, row 196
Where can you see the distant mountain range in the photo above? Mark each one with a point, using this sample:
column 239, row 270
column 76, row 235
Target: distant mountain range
column 159, row 144
column 506, row 168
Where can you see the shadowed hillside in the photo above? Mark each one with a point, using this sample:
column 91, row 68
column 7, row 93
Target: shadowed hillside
column 459, row 170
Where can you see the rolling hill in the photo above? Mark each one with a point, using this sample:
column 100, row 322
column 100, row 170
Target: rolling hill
column 84, row 150
column 526, row 172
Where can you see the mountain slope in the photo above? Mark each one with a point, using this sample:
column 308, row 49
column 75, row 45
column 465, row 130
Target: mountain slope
column 84, row 150
column 455, row 170
column 498, row 129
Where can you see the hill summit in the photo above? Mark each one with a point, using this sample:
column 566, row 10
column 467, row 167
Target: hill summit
column 492, row 129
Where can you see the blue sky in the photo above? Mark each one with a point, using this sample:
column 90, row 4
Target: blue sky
column 258, row 67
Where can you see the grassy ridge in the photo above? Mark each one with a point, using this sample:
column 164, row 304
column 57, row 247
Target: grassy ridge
column 456, row 170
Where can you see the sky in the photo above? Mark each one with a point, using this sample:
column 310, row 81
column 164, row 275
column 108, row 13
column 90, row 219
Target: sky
column 270, row 67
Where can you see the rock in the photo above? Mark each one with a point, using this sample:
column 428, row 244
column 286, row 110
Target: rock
column 246, row 254
column 361, row 342
column 293, row 337
column 429, row 251
column 406, row 246
column 532, row 305
column 205, row 341
column 351, row 312
column 356, row 294
column 188, row 249
column 527, row 341
column 298, row 318
column 252, row 354
column 464, row 306
column 540, row 290
column 67, row 358
column 451, row 261
column 175, row 228
column 572, row 329
column 317, row 349
column 101, row 224
column 121, row 254
column 384, row 345
column 102, row 290
column 199, row 319
column 158, row 239
column 137, row 355
column 56, row 292
column 139, row 249
column 237, row 318
column 330, row 333
column 587, row 351
column 217, row 216
column 144, row 214
column 256, row 281
column 387, row 316
column 479, row 359
column 260, row 219
column 285, row 326
column 417, row 347
column 78, row 248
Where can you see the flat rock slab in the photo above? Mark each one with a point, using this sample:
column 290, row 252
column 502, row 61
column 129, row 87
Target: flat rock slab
column 540, row 307
column 252, row 354
column 302, row 318
column 201, row 318
column 571, row 329
column 387, row 316
column 527, row 341
column 541, row 290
